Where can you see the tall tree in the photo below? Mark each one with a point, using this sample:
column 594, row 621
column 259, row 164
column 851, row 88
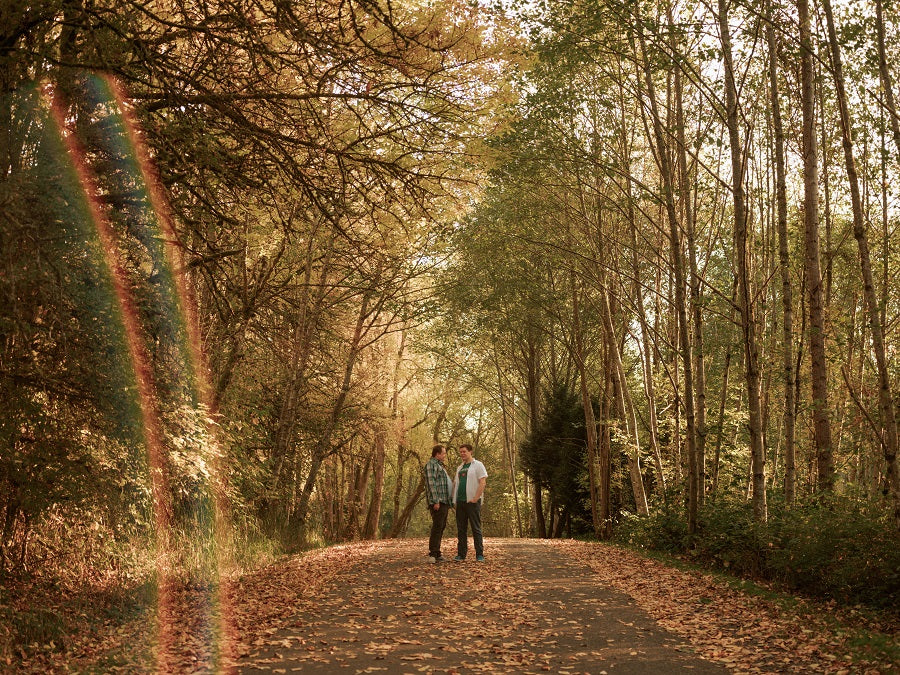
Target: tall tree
column 814, row 290
column 742, row 254
column 888, row 413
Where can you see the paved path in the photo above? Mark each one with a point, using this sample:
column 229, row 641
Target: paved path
column 528, row 609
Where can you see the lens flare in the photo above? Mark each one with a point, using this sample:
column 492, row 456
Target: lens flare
column 209, row 620
column 150, row 414
column 200, row 370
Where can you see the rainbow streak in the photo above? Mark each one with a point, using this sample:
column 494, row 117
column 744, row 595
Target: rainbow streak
column 150, row 413
column 187, row 303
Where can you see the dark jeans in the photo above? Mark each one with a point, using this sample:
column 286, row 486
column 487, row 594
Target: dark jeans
column 438, row 523
column 468, row 513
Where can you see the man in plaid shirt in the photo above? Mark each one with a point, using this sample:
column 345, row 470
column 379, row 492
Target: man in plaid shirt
column 437, row 494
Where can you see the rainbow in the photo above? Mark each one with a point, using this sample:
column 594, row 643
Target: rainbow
column 209, row 521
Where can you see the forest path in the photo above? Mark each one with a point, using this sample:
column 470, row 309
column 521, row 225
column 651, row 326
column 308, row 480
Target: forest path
column 531, row 608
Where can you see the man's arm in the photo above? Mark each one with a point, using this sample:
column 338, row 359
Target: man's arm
column 481, row 483
column 430, row 497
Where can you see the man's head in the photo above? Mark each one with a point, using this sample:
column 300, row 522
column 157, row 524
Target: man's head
column 465, row 453
column 439, row 452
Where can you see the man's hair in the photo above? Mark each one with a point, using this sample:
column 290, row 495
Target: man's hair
column 436, row 450
column 466, row 445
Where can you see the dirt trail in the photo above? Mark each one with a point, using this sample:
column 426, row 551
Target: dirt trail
column 529, row 609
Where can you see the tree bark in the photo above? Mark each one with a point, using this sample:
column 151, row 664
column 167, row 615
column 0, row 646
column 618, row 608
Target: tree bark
column 745, row 292
column 402, row 521
column 885, row 73
column 373, row 516
column 677, row 262
column 818, row 363
column 532, row 392
column 638, row 300
column 588, row 410
column 787, row 340
column 323, row 444
column 624, row 409
column 885, row 398
column 699, row 475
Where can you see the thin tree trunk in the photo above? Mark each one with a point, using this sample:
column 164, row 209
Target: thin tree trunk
column 721, row 430
column 885, row 73
column 370, row 531
column 787, row 342
column 625, row 412
column 885, row 398
column 323, row 444
column 745, row 293
column 301, row 349
column 402, row 521
column 818, row 363
column 676, row 254
column 696, row 299
column 508, row 442
column 646, row 349
column 588, row 409
column 532, row 393
column 605, row 451
column 373, row 516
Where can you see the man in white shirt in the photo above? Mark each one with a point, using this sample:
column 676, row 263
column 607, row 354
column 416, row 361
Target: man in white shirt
column 468, row 489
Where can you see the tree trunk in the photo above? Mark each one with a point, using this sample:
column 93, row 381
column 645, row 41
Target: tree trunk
column 677, row 262
column 818, row 363
column 301, row 349
column 370, row 529
column 696, row 300
column 646, row 349
column 886, row 83
column 787, row 341
column 605, row 447
column 587, row 408
column 885, row 399
column 624, row 409
column 745, row 292
column 532, row 392
column 402, row 521
column 323, row 444
column 508, row 441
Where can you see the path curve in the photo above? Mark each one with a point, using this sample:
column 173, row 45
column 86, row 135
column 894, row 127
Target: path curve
column 528, row 609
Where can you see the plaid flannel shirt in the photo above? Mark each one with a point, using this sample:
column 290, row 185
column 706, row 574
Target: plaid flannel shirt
column 437, row 483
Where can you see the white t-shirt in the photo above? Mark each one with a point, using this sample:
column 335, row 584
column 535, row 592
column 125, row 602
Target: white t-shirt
column 476, row 473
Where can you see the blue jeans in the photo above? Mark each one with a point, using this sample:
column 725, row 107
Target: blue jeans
column 468, row 513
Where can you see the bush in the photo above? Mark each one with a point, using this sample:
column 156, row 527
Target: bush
column 835, row 548
column 665, row 531
column 729, row 537
column 839, row 549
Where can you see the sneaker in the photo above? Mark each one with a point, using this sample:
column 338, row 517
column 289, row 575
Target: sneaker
column 479, row 558
column 432, row 559
column 459, row 558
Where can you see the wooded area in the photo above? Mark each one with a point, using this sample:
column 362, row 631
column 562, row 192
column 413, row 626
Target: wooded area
column 256, row 257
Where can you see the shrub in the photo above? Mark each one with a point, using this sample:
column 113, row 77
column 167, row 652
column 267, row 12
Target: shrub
column 730, row 538
column 665, row 531
column 835, row 548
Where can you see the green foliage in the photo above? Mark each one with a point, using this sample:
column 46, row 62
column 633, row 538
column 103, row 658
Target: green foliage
column 665, row 530
column 69, row 422
column 840, row 549
column 554, row 454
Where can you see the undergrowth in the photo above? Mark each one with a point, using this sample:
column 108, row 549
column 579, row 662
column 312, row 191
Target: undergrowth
column 96, row 608
column 836, row 549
